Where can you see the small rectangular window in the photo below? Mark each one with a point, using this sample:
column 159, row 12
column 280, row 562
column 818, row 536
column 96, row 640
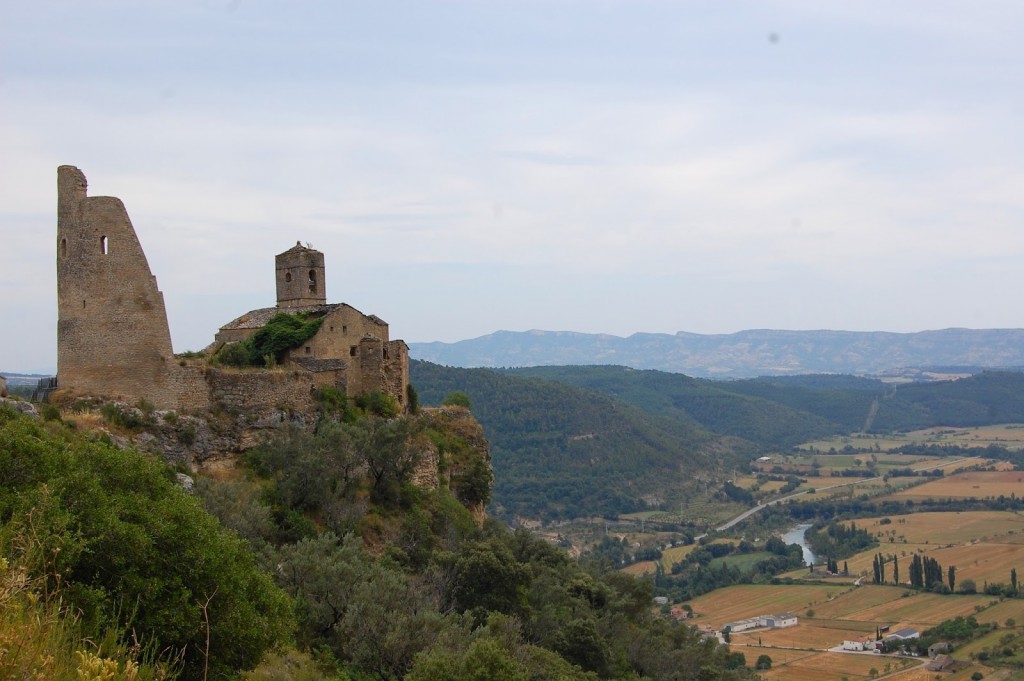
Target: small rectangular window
column 344, row 329
column 308, row 351
column 352, row 351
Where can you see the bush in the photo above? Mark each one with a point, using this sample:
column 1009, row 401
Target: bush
column 282, row 332
column 456, row 398
column 233, row 355
column 379, row 404
column 135, row 550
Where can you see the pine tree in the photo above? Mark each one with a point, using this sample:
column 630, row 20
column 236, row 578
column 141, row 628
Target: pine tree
column 895, row 570
column 951, row 576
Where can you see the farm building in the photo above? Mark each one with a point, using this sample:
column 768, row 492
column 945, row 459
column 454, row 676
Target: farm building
column 902, row 635
column 778, row 621
column 938, row 648
column 941, row 663
column 743, row 625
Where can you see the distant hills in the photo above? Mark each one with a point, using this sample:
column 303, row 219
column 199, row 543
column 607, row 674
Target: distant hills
column 577, row 441
column 745, row 354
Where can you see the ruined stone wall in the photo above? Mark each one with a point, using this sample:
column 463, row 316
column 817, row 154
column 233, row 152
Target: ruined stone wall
column 261, row 391
column 370, row 371
column 112, row 333
column 189, row 385
column 396, row 370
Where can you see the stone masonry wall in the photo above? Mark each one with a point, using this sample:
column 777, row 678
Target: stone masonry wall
column 261, row 391
column 112, row 333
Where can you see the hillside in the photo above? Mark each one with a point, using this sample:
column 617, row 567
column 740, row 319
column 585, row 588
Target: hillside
column 559, row 451
column 325, row 555
column 585, row 440
column 744, row 354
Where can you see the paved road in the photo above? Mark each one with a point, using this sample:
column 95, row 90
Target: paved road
column 857, row 481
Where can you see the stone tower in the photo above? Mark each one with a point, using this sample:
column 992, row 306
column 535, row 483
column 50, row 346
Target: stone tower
column 112, row 334
column 300, row 277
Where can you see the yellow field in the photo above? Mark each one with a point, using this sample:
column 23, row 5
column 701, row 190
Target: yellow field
column 834, row 666
column 807, row 635
column 749, row 600
column 778, row 655
column 920, row 610
column 983, row 561
column 978, row 484
column 670, row 557
column 1011, row 608
column 644, row 567
column 943, row 528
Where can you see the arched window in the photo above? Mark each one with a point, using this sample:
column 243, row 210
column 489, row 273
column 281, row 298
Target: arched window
column 312, row 281
column 103, row 245
column 288, row 277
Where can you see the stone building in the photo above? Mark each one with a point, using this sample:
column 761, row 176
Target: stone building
column 351, row 350
column 113, row 339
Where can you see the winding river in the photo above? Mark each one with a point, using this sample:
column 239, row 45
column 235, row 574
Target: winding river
column 796, row 536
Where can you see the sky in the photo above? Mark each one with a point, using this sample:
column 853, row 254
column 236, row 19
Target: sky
column 469, row 166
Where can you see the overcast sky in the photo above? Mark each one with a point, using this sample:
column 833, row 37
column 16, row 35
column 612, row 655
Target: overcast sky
column 582, row 165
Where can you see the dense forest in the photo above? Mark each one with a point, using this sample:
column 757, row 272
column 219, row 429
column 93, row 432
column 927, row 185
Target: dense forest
column 559, row 451
column 318, row 559
column 603, row 440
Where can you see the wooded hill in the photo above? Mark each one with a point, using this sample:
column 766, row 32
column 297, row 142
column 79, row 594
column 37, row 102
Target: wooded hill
column 597, row 440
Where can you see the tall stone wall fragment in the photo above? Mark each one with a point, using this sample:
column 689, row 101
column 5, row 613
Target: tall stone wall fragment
column 112, row 334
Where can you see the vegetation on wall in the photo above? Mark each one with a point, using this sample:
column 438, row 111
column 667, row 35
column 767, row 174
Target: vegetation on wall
column 267, row 346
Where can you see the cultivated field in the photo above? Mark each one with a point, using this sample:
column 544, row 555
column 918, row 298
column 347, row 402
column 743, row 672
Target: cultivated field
column 1009, row 435
column 970, row 484
column 953, row 527
column 835, row 666
column 749, row 600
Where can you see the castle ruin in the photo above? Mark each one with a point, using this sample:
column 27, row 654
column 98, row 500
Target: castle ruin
column 113, row 339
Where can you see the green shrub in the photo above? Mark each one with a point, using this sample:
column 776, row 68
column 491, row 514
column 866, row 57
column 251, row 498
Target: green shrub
column 379, row 404
column 233, row 355
column 135, row 551
column 282, row 332
column 456, row 398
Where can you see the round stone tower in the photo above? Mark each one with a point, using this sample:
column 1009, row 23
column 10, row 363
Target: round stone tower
column 300, row 277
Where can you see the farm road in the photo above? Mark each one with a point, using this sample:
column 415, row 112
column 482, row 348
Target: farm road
column 749, row 512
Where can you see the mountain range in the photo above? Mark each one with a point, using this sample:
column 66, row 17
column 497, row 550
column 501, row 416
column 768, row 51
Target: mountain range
column 745, row 354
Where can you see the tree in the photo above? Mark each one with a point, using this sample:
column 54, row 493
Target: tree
column 764, row 662
column 895, row 570
column 968, row 586
column 456, row 398
column 1013, row 579
column 951, row 577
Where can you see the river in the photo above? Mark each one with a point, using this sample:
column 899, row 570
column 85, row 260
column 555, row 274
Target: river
column 796, row 536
